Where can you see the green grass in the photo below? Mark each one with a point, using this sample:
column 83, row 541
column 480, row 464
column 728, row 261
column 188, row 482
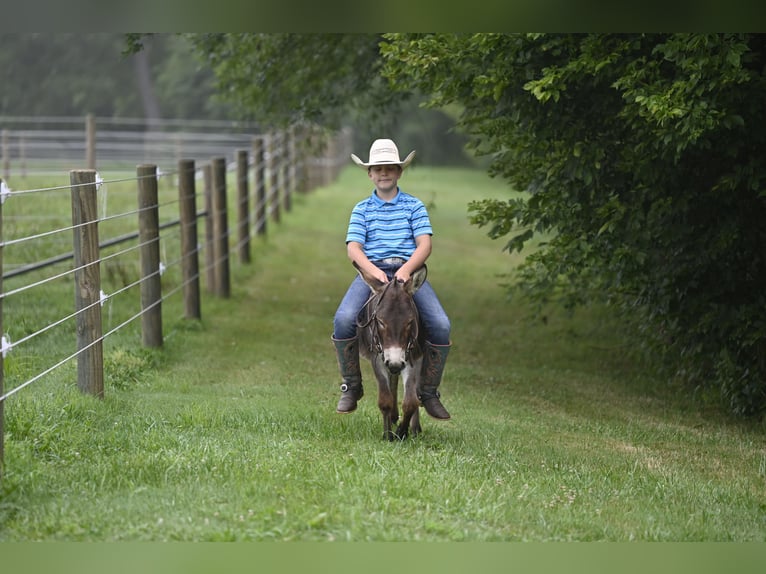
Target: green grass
column 229, row 431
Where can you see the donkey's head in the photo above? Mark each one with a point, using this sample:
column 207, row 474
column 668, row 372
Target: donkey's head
column 393, row 318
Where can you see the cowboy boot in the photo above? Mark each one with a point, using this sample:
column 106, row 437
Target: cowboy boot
column 434, row 359
column 348, row 363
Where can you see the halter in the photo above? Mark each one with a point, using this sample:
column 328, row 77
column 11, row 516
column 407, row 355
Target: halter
column 375, row 300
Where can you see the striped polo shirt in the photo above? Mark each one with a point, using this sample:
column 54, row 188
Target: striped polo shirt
column 388, row 228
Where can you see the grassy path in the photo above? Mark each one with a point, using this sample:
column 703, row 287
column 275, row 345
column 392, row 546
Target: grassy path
column 230, row 433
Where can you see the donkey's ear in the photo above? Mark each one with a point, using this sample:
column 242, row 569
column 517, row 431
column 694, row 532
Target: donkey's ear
column 375, row 284
column 417, row 279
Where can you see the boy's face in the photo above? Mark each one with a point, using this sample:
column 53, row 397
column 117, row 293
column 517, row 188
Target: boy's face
column 385, row 177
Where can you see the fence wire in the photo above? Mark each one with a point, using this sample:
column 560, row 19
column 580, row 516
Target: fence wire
column 274, row 182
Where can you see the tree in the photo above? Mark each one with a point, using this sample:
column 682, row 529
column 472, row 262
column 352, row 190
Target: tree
column 185, row 83
column 291, row 78
column 75, row 74
column 330, row 80
column 642, row 159
column 66, row 74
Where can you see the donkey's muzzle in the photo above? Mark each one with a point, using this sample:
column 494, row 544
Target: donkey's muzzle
column 394, row 367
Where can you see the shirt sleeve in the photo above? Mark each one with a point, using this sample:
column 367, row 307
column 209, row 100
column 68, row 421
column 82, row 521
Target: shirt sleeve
column 357, row 226
column 421, row 223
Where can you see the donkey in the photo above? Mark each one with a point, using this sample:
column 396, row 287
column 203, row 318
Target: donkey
column 392, row 338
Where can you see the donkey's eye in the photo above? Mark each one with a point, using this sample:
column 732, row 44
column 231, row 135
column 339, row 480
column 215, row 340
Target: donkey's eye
column 380, row 323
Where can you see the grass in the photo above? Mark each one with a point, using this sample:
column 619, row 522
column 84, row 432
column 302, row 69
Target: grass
column 229, row 431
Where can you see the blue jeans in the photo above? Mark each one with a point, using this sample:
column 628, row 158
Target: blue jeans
column 432, row 313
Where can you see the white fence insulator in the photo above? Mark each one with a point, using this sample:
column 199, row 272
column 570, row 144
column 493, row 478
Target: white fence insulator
column 102, row 297
column 5, row 192
column 104, row 198
column 162, row 268
column 6, row 345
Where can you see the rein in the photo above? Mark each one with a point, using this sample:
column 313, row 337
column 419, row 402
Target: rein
column 371, row 320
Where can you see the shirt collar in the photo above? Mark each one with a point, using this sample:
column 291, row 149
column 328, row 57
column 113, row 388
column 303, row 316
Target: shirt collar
column 379, row 201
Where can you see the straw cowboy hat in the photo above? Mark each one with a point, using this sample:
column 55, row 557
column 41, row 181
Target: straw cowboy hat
column 384, row 152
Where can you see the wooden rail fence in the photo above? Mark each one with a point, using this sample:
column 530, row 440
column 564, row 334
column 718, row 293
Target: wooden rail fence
column 276, row 157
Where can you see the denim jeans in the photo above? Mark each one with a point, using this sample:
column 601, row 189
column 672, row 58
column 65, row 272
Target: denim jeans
column 432, row 313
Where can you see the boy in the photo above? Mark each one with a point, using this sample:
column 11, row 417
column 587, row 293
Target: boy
column 389, row 236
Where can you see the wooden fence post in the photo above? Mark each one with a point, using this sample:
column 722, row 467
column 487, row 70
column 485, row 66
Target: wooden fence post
column 309, row 163
column 259, row 183
column 243, row 204
column 2, row 366
column 149, row 241
column 274, row 178
column 187, row 206
column 329, row 159
column 87, row 282
column 23, row 156
column 287, row 198
column 220, row 229
column 207, row 173
column 90, row 141
column 296, row 170
column 6, row 153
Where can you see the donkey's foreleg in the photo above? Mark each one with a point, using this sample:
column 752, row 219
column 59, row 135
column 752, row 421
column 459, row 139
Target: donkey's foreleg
column 415, row 427
column 386, row 398
column 410, row 422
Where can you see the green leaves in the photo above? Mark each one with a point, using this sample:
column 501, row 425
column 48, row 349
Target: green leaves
column 642, row 155
column 287, row 78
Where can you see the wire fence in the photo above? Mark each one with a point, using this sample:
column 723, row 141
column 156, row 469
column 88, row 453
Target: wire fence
column 160, row 238
column 33, row 145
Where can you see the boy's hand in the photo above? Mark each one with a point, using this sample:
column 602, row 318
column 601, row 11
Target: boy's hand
column 380, row 275
column 401, row 276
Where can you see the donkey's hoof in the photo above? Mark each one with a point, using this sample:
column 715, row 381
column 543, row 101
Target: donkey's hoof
column 402, row 432
column 395, row 435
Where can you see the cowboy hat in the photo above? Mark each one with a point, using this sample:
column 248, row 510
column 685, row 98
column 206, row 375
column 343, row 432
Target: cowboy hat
column 384, row 152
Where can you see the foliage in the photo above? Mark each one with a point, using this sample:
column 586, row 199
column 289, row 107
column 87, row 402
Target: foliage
column 291, row 78
column 184, row 83
column 75, row 74
column 642, row 155
column 332, row 80
column 65, row 74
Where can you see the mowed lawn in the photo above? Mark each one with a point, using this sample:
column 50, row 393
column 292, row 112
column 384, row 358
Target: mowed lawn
column 229, row 431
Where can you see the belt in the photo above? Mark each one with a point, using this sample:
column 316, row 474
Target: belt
column 393, row 261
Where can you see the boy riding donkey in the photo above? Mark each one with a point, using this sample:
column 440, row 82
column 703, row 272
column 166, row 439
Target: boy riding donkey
column 389, row 237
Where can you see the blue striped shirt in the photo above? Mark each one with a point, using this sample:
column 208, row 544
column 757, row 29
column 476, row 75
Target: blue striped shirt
column 388, row 228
